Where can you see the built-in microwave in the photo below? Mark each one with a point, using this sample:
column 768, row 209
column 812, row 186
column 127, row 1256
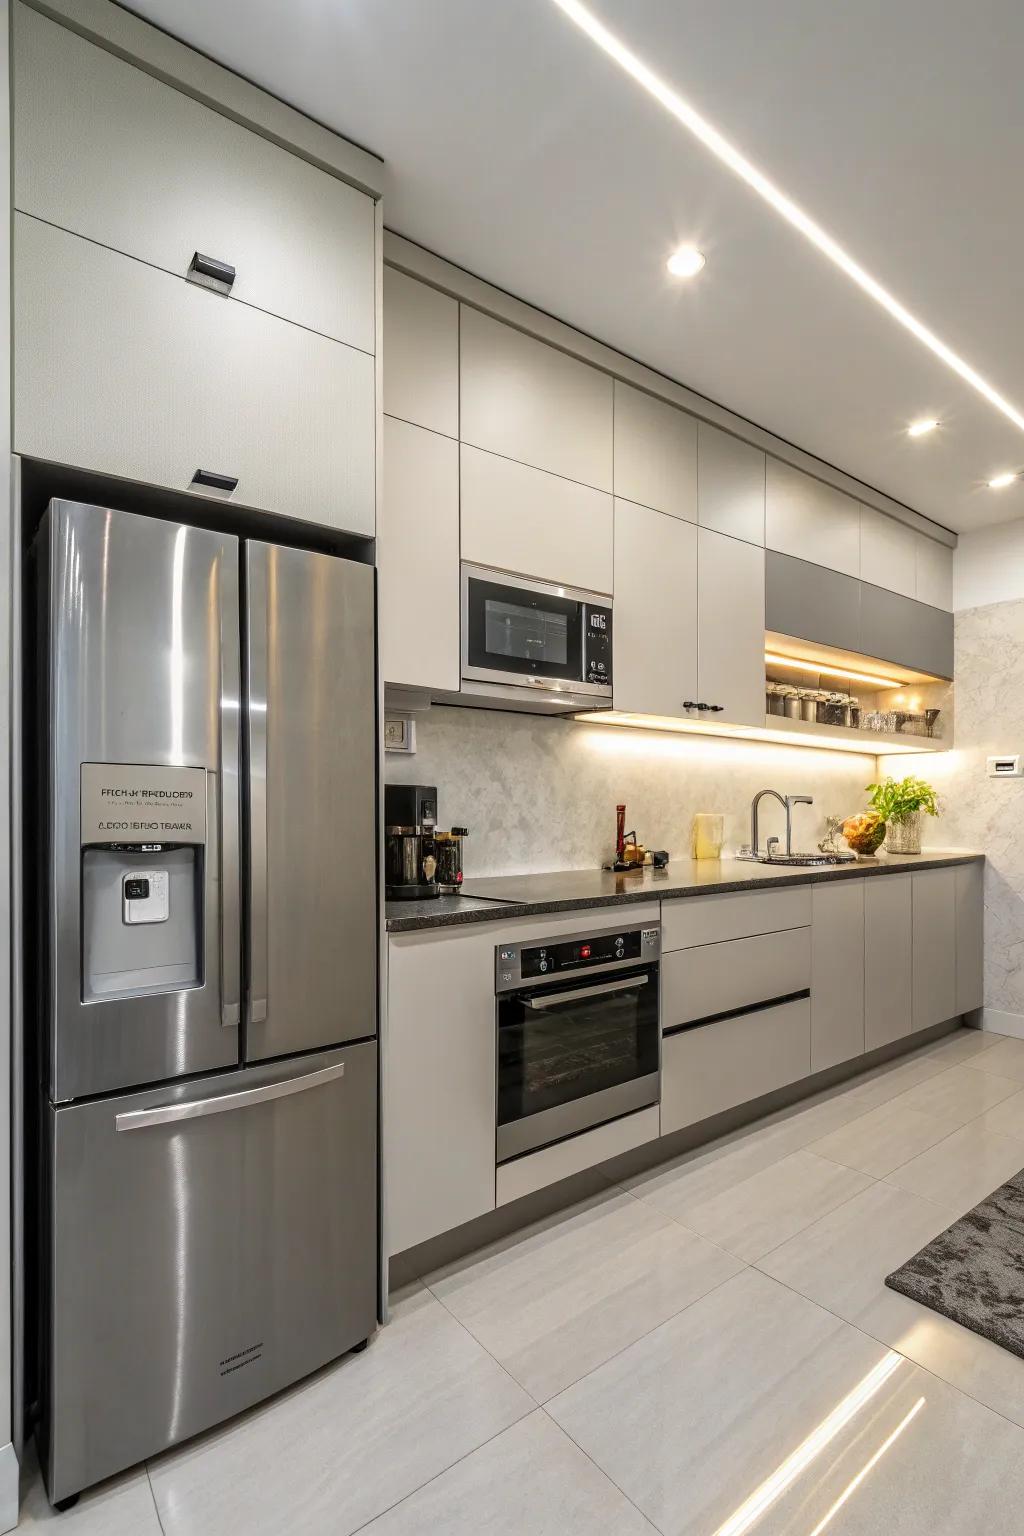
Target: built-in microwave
column 534, row 641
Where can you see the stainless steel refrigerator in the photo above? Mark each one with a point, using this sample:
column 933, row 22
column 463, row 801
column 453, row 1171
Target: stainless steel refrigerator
column 208, row 1128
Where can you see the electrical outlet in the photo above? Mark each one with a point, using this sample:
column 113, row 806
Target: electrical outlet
column 1005, row 767
column 399, row 733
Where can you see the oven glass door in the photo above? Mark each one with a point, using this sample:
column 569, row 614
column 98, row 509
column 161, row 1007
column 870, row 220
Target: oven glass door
column 513, row 632
column 575, row 1055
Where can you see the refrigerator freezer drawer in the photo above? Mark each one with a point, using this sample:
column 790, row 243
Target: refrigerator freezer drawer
column 211, row 1243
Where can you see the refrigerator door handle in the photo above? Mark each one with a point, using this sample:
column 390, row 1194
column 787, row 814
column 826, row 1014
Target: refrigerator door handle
column 256, row 713
column 223, row 1103
column 230, row 863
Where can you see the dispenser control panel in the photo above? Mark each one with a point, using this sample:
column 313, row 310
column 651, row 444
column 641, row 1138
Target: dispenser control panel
column 145, row 896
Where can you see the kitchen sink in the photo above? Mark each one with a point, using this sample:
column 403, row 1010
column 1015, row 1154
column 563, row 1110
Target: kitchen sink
column 802, row 859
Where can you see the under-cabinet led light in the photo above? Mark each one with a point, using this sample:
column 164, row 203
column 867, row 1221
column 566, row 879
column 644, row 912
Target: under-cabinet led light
column 791, row 733
column 812, row 666
column 738, row 163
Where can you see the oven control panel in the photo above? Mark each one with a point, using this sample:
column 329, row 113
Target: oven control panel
column 604, row 951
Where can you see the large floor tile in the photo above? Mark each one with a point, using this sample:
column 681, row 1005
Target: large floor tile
column 121, row 1507
column 959, row 1094
column 963, row 1169
column 1006, row 1058
column 772, row 1205
column 758, row 1408
column 1007, row 1117
column 961, row 1045
column 885, row 1137
column 841, row 1262
column 558, row 1299
column 341, row 1448
column 530, row 1479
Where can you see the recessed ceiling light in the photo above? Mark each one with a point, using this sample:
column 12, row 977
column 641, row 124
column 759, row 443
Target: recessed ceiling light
column 686, row 262
column 1000, row 482
column 919, row 428
column 730, row 156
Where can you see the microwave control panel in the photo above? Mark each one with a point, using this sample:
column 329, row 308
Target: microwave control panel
column 597, row 644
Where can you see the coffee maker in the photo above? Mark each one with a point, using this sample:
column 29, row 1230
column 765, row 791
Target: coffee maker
column 410, row 854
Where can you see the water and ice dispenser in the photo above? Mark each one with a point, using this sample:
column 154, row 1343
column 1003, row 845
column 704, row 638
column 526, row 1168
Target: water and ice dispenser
column 143, row 854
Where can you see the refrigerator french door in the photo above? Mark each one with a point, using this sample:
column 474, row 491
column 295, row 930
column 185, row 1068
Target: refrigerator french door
column 209, row 1115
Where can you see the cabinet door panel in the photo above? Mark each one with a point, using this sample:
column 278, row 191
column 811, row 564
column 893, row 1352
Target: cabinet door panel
column 970, row 937
column 519, row 519
column 837, row 973
column 730, row 484
column 888, row 552
column 655, row 453
column 655, row 664
column 110, row 152
column 812, row 603
column 811, row 520
column 934, row 946
column 121, row 368
column 421, row 332
column 898, row 629
column 532, row 403
column 419, row 558
column 730, row 627
column 934, row 573
column 888, row 975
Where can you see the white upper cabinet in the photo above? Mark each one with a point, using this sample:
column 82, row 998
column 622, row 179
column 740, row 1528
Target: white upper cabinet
column 730, row 629
column 730, row 484
column 531, row 403
column 107, row 151
column 418, row 558
column 655, row 658
column 806, row 518
column 520, row 519
column 124, row 369
column 421, row 357
column 888, row 552
column 655, row 453
column 934, row 573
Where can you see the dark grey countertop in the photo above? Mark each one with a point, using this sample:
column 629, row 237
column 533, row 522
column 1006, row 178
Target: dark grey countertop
column 502, row 896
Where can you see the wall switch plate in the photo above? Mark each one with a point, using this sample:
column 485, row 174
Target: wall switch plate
column 1005, row 767
column 399, row 733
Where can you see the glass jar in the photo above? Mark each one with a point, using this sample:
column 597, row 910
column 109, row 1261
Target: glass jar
column 808, row 704
column 773, row 699
column 835, row 710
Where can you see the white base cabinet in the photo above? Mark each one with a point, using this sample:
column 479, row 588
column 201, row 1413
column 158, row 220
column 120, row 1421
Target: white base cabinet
column 934, row 946
column 717, row 1066
column 837, row 973
column 970, row 937
column 888, row 963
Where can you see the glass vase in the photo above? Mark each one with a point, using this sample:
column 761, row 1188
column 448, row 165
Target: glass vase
column 904, row 836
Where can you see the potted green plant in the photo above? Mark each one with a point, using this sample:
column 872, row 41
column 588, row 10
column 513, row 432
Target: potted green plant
column 900, row 803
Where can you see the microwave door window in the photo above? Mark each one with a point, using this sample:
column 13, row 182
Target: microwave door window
column 514, row 632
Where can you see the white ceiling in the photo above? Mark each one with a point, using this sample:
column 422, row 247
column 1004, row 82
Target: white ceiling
column 516, row 149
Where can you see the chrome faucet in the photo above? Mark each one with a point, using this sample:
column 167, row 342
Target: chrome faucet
column 787, row 802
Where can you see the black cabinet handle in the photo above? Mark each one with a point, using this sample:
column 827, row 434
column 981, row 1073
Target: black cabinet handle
column 703, row 706
column 689, row 704
column 214, row 482
column 208, row 272
column 716, row 708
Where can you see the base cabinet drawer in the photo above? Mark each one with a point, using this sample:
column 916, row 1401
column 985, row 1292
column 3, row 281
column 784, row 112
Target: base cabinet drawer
column 718, row 1066
column 126, row 370
column 718, row 978
column 732, row 915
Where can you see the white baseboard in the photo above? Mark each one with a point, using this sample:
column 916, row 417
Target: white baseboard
column 9, row 1471
column 1003, row 1023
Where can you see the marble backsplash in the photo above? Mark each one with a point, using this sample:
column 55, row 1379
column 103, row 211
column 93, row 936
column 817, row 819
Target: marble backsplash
column 540, row 794
column 979, row 812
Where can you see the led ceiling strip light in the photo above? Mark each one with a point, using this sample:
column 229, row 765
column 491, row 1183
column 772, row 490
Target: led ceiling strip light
column 729, row 155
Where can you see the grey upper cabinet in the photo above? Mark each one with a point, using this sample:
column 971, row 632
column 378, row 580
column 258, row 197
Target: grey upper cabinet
column 655, row 453
column 806, row 518
column 121, row 368
column 527, row 401
column 812, row 603
column 730, row 628
column 898, row 629
column 107, row 151
column 421, row 339
column 655, row 666
column 730, row 484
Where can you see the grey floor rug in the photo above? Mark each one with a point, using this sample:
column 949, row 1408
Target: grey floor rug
column 974, row 1271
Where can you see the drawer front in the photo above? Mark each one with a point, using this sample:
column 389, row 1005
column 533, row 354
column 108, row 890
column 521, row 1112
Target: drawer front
column 718, row 1066
column 106, row 150
column 122, row 369
column 734, row 915
column 717, row 978
column 525, row 1174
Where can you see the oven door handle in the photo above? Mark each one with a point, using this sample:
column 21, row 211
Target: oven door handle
column 626, row 985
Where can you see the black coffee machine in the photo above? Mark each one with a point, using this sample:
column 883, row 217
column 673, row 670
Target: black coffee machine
column 410, row 854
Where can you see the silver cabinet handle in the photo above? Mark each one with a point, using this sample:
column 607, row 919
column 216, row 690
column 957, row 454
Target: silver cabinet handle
column 209, row 272
column 230, row 870
column 256, row 711
column 223, row 1103
column 627, row 985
